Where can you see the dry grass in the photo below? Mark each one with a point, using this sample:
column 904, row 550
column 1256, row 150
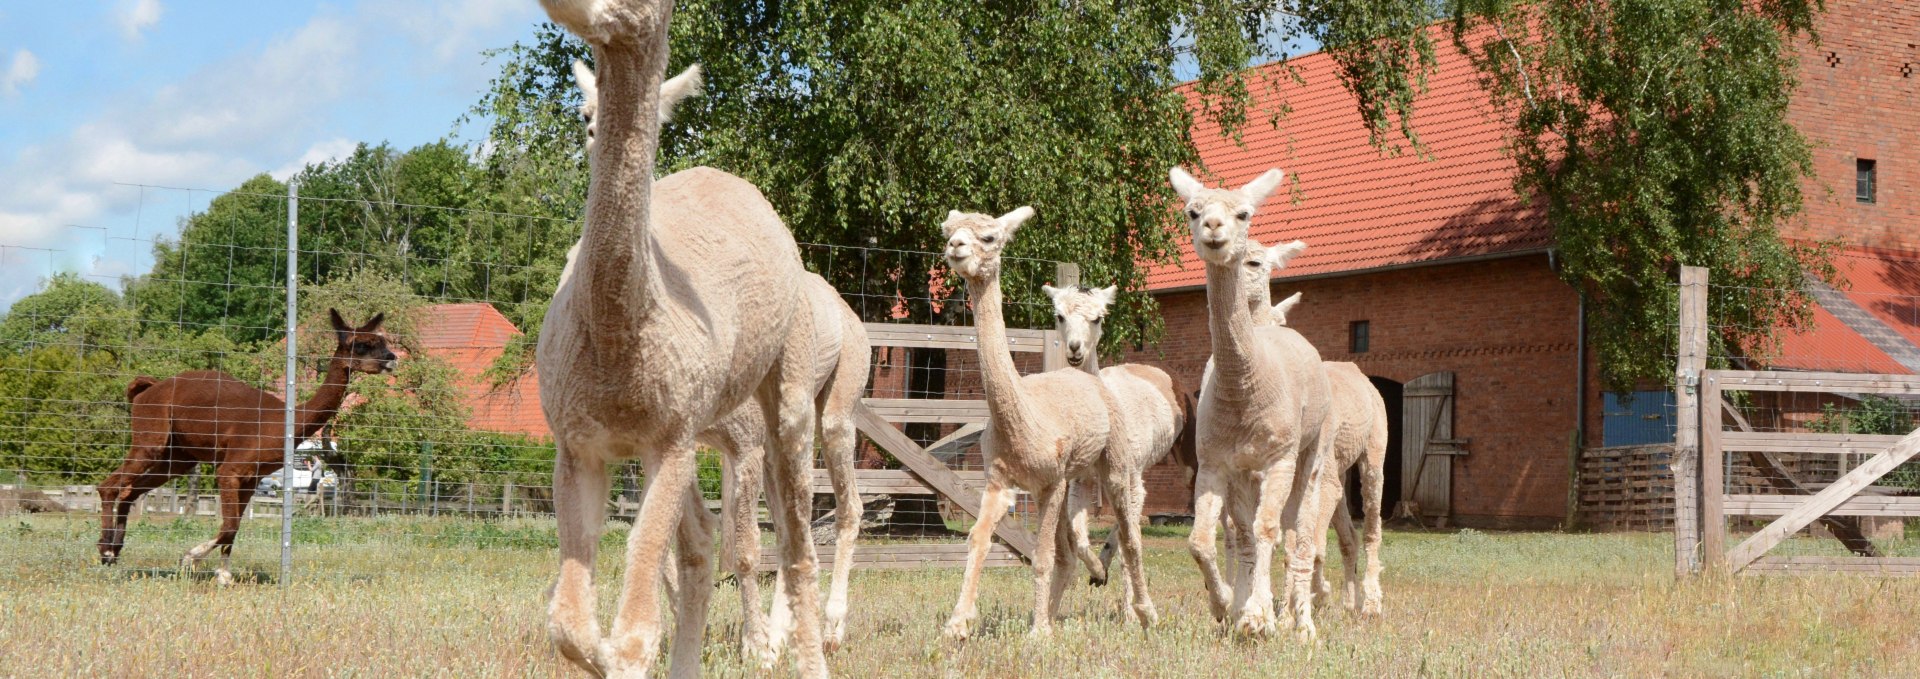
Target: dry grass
column 417, row 597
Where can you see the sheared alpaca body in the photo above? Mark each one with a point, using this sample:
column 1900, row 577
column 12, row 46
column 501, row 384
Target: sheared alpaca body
column 1263, row 403
column 842, row 356
column 207, row 416
column 1357, row 423
column 684, row 303
column 1154, row 411
column 1043, row 431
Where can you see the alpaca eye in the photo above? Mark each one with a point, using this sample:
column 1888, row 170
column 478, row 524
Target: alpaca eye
column 1193, row 214
column 1243, row 215
column 1057, row 318
column 988, row 239
column 1253, row 265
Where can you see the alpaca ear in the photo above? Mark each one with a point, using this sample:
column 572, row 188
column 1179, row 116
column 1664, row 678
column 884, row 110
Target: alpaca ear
column 953, row 217
column 1105, row 295
column 1280, row 310
column 678, row 88
column 1280, row 254
column 374, row 323
column 1184, row 184
column 1012, row 220
column 583, row 77
column 340, row 327
column 1256, row 191
column 1053, row 293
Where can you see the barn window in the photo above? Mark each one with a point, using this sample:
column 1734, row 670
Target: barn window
column 1357, row 337
column 1864, row 180
column 1639, row 418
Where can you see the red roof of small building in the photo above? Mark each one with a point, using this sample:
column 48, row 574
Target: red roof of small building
column 469, row 337
column 1883, row 283
column 1357, row 207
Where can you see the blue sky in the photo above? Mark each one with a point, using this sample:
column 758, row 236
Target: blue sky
column 204, row 95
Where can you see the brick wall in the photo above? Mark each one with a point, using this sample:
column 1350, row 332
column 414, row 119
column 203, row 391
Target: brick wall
column 1855, row 102
column 1505, row 327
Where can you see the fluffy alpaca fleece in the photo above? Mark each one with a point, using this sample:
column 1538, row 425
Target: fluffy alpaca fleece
column 841, row 347
column 1357, row 425
column 1153, row 412
column 1043, row 431
column 1263, row 403
column 650, row 343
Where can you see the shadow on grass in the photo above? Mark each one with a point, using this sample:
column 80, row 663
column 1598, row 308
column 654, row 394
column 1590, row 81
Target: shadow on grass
column 241, row 576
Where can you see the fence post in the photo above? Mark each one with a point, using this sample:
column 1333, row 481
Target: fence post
column 1055, row 356
column 293, row 320
column 1692, row 359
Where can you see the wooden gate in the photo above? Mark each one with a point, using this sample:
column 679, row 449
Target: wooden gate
column 1712, row 437
column 1428, row 448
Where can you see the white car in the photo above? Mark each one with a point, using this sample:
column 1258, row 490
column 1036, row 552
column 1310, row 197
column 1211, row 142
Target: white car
column 309, row 474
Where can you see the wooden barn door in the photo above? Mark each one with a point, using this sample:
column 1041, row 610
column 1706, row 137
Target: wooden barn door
column 1428, row 447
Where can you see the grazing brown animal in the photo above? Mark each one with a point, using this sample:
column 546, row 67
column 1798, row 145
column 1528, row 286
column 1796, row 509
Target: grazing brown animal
column 212, row 417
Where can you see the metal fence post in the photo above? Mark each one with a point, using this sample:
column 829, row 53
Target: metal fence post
column 287, row 446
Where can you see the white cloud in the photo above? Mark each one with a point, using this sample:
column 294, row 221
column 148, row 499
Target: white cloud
column 21, row 72
column 321, row 152
column 136, row 16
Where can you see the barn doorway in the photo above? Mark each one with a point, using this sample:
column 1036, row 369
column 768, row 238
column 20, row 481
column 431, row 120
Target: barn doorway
column 1392, row 392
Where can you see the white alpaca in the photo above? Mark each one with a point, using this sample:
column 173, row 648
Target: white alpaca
column 1358, row 424
column 1263, row 403
column 1154, row 409
column 685, row 301
column 841, row 347
column 1043, row 431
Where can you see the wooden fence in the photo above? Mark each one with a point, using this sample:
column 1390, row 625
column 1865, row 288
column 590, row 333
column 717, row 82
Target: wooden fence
column 1627, row 488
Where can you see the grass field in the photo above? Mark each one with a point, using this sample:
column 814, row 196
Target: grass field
column 409, row 597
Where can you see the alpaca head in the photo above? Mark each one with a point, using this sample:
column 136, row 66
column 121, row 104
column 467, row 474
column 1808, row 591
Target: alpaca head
column 974, row 241
column 672, row 92
column 1077, row 313
column 1256, row 271
column 1280, row 310
column 1220, row 217
column 363, row 348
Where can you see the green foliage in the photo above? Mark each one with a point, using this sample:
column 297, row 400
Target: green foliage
column 226, row 269
column 1655, row 133
column 864, row 122
column 1872, row 415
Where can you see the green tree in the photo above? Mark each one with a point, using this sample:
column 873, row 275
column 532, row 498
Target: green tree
column 226, row 269
column 1655, row 132
column 864, row 122
column 67, row 309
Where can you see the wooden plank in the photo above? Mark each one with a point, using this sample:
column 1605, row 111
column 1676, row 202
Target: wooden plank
column 935, row 410
column 936, row 475
column 1847, row 531
column 1821, row 503
column 1858, row 505
column 949, row 446
column 1713, row 462
column 1427, row 417
column 948, row 337
column 1807, row 442
column 889, row 481
column 1691, row 350
column 901, row 556
column 1055, row 358
column 1835, row 564
column 1780, row 380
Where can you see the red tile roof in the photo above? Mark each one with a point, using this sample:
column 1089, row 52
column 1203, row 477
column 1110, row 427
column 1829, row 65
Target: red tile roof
column 1360, row 209
column 1885, row 284
column 469, row 337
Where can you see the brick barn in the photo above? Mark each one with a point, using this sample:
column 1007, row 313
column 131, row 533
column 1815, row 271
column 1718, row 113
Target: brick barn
column 1439, row 282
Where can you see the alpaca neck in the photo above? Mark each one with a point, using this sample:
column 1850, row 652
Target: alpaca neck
column 1091, row 365
column 1229, row 321
column 1005, row 402
column 1260, row 304
column 320, row 408
column 615, row 263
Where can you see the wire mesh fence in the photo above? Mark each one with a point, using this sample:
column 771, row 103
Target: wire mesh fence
column 175, row 378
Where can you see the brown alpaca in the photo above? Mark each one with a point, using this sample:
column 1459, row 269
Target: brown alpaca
column 212, row 417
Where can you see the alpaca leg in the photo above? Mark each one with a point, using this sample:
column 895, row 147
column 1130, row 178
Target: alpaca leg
column 580, row 487
column 994, row 502
column 791, row 469
column 1052, row 500
column 1080, row 544
column 121, row 490
column 839, row 444
column 741, row 489
column 1304, row 538
column 1372, row 482
column 1253, row 593
column 1129, row 495
column 695, row 546
column 780, row 619
column 1064, row 551
column 1209, row 491
column 1349, row 557
column 634, row 645
column 236, row 490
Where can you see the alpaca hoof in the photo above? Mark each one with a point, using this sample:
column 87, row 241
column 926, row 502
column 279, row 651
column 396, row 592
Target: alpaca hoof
column 957, row 629
column 222, row 578
column 1040, row 631
column 1146, row 615
column 1306, row 633
column 1096, row 580
column 109, row 558
column 1218, row 609
column 834, row 634
column 1256, row 623
column 1370, row 609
